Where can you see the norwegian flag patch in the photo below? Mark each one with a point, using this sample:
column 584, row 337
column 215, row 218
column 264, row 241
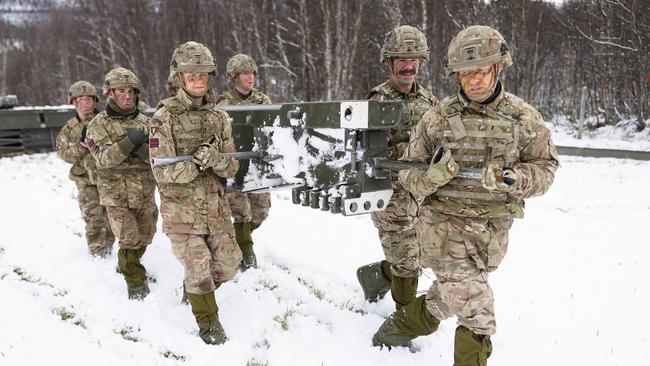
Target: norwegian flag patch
column 154, row 143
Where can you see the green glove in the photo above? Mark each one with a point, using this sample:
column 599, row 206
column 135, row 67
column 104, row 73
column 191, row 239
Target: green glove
column 207, row 156
column 442, row 169
column 496, row 178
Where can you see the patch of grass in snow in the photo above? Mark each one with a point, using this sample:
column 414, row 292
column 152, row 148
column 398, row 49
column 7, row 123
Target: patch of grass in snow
column 67, row 314
column 24, row 276
column 254, row 362
column 267, row 284
column 126, row 334
column 283, row 319
column 172, row 355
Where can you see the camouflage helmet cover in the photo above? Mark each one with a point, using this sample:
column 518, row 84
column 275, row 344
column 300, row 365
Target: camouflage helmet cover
column 240, row 63
column 192, row 57
column 404, row 41
column 476, row 46
column 121, row 78
column 82, row 88
column 172, row 81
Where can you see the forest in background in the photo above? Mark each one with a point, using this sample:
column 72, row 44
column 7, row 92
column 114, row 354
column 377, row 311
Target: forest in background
column 310, row 50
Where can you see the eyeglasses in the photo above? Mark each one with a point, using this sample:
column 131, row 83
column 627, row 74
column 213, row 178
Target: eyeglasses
column 480, row 72
column 191, row 77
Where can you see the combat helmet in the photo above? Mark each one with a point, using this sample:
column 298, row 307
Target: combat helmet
column 477, row 46
column 172, row 81
column 404, row 41
column 121, row 78
column 240, row 63
column 192, row 57
column 82, row 88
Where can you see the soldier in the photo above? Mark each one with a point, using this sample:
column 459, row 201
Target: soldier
column 117, row 139
column 249, row 210
column 196, row 217
column 404, row 51
column 71, row 148
column 463, row 224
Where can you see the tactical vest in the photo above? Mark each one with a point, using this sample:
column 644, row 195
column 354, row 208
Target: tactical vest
column 415, row 105
column 475, row 139
column 117, row 128
column 195, row 127
column 233, row 97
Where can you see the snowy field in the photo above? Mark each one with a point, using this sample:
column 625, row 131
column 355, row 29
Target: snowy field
column 573, row 289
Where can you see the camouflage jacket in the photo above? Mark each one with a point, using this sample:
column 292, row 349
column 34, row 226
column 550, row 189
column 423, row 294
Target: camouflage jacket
column 70, row 150
column 418, row 101
column 122, row 180
column 192, row 200
column 507, row 131
column 233, row 97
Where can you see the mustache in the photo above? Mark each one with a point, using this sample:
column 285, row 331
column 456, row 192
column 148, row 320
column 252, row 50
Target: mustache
column 409, row 71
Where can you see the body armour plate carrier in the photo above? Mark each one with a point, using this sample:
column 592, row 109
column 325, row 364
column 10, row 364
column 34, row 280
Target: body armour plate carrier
column 475, row 139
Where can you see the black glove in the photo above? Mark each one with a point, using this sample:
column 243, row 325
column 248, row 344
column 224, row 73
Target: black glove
column 83, row 135
column 133, row 140
column 137, row 137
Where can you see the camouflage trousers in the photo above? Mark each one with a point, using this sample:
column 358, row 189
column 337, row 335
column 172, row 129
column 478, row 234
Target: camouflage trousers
column 133, row 228
column 397, row 234
column 249, row 207
column 99, row 235
column 207, row 260
column 462, row 251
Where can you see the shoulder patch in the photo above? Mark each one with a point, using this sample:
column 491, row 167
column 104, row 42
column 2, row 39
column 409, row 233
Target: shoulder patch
column 173, row 105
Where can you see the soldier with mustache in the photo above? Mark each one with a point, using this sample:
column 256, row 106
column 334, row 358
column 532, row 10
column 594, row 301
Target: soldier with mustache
column 404, row 51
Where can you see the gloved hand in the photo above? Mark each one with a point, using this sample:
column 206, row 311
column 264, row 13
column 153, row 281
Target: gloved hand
column 443, row 168
column 136, row 136
column 143, row 152
column 207, row 156
column 496, row 178
column 133, row 139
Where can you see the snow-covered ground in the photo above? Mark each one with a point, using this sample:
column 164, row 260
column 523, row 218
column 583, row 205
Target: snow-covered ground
column 622, row 136
column 573, row 288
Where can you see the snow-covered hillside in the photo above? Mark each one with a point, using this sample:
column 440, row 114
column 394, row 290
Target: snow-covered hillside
column 572, row 290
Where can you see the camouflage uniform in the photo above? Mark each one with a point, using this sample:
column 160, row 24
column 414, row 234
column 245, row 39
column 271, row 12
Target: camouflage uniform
column 249, row 210
column 463, row 227
column 125, row 183
column 401, row 269
column 463, row 224
column 247, row 207
column 196, row 216
column 195, row 212
column 396, row 232
column 99, row 235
